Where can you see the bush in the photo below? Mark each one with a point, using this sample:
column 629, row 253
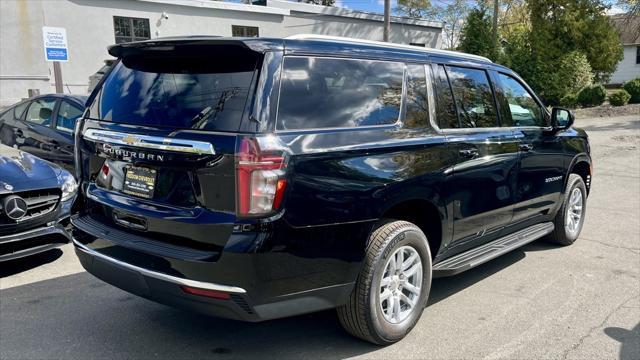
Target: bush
column 569, row 101
column 633, row 88
column 575, row 72
column 619, row 98
column 568, row 76
column 592, row 96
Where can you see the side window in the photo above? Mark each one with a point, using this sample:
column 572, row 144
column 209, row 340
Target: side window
column 523, row 109
column 16, row 112
column 417, row 114
column 326, row 93
column 445, row 106
column 474, row 97
column 67, row 116
column 41, row 111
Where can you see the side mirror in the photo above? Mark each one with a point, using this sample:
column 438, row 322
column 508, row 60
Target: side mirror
column 561, row 119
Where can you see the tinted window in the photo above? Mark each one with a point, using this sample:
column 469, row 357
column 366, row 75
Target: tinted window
column 446, row 107
column 523, row 110
column 324, row 93
column 67, row 116
column 41, row 111
column 474, row 98
column 203, row 92
column 417, row 114
column 15, row 112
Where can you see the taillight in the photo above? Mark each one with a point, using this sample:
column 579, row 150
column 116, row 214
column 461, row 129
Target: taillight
column 260, row 179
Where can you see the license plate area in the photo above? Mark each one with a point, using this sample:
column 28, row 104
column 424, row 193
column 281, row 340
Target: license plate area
column 140, row 181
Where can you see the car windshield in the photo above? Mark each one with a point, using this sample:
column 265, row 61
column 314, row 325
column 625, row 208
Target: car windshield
column 195, row 92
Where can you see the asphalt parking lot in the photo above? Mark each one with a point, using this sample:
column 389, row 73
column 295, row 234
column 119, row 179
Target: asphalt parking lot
column 541, row 301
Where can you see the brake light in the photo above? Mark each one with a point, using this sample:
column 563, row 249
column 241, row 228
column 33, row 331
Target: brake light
column 260, row 179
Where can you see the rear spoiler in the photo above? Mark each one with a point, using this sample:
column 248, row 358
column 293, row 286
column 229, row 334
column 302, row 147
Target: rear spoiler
column 260, row 45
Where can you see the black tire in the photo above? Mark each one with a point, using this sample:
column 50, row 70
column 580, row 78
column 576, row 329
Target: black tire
column 362, row 316
column 561, row 234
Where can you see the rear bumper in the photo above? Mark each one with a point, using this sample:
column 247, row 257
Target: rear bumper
column 165, row 289
column 261, row 285
column 33, row 241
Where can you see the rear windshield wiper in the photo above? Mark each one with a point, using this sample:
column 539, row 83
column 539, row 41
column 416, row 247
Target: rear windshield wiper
column 200, row 120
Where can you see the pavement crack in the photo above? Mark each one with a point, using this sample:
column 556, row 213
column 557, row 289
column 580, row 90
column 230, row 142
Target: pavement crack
column 611, row 245
column 594, row 328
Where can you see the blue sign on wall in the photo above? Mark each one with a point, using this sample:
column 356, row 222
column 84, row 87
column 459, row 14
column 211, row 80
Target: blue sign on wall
column 57, row 54
column 55, row 44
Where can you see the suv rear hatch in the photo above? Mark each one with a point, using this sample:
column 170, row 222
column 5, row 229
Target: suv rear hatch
column 157, row 149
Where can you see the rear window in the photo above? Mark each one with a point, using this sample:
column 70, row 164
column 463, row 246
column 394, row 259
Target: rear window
column 206, row 91
column 330, row 93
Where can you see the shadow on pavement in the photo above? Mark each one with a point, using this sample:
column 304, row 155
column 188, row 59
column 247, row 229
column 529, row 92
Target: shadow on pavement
column 79, row 317
column 629, row 341
column 12, row 267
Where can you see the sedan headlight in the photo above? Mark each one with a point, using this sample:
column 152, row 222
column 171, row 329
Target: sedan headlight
column 69, row 187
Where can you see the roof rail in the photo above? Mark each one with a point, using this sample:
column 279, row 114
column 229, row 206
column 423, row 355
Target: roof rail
column 386, row 44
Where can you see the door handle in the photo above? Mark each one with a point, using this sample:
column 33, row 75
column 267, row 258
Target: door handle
column 469, row 153
column 525, row 147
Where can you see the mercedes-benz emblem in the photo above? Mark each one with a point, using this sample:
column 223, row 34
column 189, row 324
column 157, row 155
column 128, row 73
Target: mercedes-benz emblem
column 15, row 207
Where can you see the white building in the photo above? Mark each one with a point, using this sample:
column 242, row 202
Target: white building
column 629, row 67
column 93, row 25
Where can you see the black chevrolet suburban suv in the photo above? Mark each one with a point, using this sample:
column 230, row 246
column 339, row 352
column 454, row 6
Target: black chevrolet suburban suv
column 260, row 178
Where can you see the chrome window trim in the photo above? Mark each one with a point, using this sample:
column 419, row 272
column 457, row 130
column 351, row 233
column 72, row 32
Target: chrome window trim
column 158, row 275
column 150, row 142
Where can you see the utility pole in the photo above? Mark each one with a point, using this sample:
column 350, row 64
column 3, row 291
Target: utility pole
column 387, row 20
column 495, row 25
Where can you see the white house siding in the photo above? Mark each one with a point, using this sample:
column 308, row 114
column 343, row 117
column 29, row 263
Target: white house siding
column 89, row 26
column 627, row 68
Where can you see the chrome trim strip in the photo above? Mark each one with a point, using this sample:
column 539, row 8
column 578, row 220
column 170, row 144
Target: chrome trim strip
column 160, row 276
column 150, row 142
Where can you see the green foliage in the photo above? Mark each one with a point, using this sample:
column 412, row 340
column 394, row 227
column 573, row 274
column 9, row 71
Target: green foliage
column 563, row 26
column 569, row 76
column 592, row 96
column 633, row 88
column 575, row 72
column 415, row 8
column 619, row 98
column 475, row 37
column 569, row 101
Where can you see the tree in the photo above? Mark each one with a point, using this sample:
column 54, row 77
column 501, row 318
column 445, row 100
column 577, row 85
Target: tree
column 415, row 8
column 562, row 26
column 452, row 14
column 475, row 37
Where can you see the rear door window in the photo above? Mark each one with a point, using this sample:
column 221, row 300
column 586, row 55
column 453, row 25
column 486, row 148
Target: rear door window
column 41, row 111
column 474, row 97
column 338, row 93
column 67, row 116
column 15, row 112
column 445, row 106
column 206, row 91
column 417, row 110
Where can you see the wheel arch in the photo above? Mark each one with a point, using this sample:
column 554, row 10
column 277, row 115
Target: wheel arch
column 425, row 214
column 582, row 166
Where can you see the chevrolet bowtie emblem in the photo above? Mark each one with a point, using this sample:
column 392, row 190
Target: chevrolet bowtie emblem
column 131, row 140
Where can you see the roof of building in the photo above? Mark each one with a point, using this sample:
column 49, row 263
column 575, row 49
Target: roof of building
column 629, row 28
column 343, row 12
column 285, row 8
